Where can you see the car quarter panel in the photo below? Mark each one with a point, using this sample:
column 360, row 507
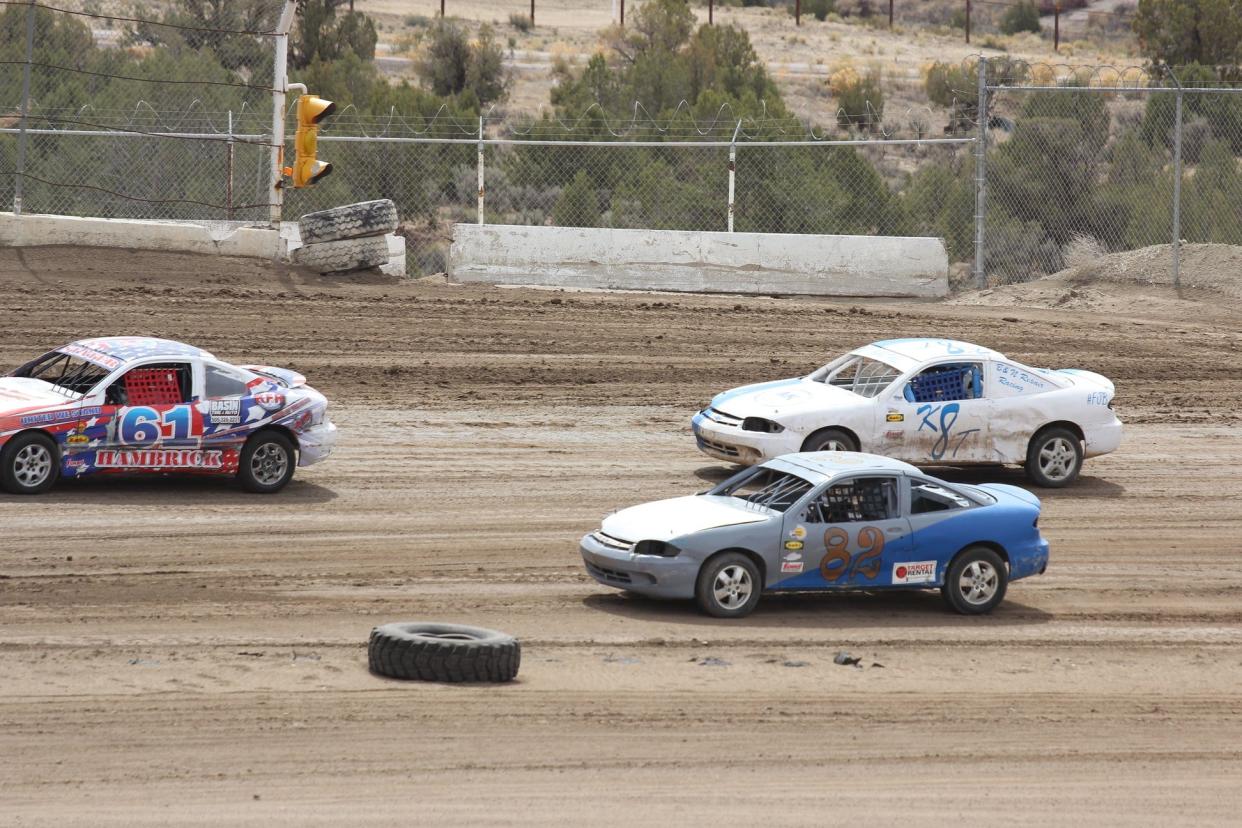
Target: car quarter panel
column 939, row 536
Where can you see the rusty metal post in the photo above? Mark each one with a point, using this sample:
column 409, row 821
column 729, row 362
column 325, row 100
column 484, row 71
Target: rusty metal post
column 710, row 8
column 890, row 14
column 442, row 8
column 532, row 12
column 622, row 12
column 797, row 12
column 967, row 21
column 1056, row 28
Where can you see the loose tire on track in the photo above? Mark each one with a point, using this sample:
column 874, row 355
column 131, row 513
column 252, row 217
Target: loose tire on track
column 443, row 652
column 353, row 221
column 347, row 254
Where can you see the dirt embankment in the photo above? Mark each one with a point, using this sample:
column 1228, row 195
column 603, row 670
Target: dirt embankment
column 179, row 652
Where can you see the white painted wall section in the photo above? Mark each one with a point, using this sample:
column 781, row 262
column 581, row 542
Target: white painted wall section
column 222, row 239
column 674, row 260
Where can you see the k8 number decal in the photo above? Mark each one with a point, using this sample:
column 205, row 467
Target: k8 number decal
column 839, row 562
column 144, row 426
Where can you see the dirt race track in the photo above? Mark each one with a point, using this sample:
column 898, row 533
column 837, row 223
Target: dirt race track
column 177, row 651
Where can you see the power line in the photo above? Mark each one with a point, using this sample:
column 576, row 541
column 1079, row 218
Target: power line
column 64, row 185
column 133, row 78
column 98, row 16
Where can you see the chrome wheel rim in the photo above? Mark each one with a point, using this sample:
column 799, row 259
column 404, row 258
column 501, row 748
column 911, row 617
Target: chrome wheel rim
column 833, row 445
column 33, row 465
column 269, row 463
column 1057, row 458
column 979, row 582
column 733, row 586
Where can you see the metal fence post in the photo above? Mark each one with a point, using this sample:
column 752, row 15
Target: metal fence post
column 21, row 137
column 981, row 147
column 280, row 80
column 480, row 166
column 733, row 170
column 1177, row 184
column 228, row 188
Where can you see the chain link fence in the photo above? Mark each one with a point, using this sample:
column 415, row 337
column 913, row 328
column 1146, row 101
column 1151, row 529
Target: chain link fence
column 1077, row 164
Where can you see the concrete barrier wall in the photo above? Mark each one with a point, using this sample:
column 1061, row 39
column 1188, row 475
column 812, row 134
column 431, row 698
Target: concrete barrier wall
column 32, row 230
column 699, row 261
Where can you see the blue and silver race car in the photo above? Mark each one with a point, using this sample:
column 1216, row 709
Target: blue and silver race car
column 823, row 520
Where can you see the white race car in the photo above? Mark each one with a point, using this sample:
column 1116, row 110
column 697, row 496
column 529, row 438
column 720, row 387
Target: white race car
column 924, row 401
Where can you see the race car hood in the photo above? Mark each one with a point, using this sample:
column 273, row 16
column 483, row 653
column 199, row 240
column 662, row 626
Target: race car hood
column 21, row 394
column 783, row 397
column 665, row 519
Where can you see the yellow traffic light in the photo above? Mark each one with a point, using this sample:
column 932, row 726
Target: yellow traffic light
column 306, row 168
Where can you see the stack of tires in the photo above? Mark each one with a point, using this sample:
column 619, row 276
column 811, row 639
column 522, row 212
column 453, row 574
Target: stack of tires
column 346, row 238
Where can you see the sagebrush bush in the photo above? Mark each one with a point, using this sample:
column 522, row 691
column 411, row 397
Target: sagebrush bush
column 1020, row 17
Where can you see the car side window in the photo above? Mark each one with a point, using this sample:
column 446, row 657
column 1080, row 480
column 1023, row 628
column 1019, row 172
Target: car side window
column 857, row 499
column 166, row 383
column 926, row 496
column 946, row 383
column 221, row 382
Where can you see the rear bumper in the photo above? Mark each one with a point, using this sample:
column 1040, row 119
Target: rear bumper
column 1102, row 439
column 316, row 443
column 644, row 574
column 1032, row 561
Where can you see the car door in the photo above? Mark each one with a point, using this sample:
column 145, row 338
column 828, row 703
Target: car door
column 941, row 414
column 233, row 401
column 152, row 420
column 848, row 534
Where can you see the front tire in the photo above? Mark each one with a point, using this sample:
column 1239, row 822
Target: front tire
column 830, row 439
column 728, row 586
column 29, row 464
column 1054, row 458
column 267, row 462
column 976, row 581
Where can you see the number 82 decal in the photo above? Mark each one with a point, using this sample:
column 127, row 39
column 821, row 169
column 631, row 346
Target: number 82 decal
column 839, row 562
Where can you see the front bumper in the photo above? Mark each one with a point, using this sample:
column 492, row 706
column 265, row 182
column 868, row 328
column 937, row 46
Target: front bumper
column 733, row 445
column 1102, row 439
column 645, row 574
column 316, row 443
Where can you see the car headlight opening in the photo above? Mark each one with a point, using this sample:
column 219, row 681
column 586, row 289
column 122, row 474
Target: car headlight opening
column 762, row 424
column 656, row 548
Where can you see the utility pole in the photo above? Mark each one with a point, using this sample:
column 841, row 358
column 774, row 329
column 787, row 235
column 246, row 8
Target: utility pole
column 280, row 79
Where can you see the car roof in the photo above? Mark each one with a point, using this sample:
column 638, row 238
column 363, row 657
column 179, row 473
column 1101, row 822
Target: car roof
column 828, row 464
column 907, row 353
column 123, row 349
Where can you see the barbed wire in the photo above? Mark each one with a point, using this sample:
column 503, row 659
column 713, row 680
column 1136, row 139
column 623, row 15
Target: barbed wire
column 161, row 81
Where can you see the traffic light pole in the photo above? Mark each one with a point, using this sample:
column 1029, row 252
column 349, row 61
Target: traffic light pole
column 280, row 79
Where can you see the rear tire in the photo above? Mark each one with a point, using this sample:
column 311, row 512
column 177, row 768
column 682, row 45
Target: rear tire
column 830, row 439
column 266, row 463
column 1054, row 458
column 29, row 464
column 728, row 586
column 976, row 581
column 443, row 652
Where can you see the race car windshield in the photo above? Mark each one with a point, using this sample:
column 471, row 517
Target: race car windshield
column 769, row 488
column 865, row 376
column 66, row 373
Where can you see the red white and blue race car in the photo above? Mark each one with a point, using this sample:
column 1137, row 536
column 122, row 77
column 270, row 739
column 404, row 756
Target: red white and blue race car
column 140, row 404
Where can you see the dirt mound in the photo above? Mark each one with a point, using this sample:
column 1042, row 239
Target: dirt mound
column 1138, row 282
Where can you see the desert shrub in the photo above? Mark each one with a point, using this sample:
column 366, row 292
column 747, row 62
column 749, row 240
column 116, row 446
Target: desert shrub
column 939, row 199
column 1020, row 17
column 578, row 205
column 819, row 9
column 521, row 22
column 860, row 98
column 452, row 65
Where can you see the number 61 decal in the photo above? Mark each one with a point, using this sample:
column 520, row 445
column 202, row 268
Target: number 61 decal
column 143, row 426
column 839, row 562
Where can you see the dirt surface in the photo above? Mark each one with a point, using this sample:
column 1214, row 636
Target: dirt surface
column 177, row 651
